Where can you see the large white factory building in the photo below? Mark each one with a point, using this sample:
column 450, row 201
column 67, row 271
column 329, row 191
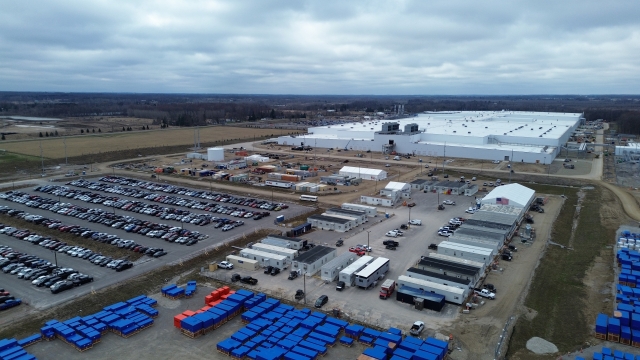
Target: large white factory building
column 531, row 137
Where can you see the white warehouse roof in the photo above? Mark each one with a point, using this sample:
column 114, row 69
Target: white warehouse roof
column 363, row 171
column 394, row 185
column 511, row 194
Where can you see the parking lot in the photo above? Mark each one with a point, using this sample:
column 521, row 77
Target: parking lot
column 41, row 298
column 365, row 305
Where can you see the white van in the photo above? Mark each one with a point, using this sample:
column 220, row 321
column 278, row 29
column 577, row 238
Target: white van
column 396, row 158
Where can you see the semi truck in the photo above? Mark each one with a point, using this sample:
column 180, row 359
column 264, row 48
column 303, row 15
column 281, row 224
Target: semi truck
column 387, row 289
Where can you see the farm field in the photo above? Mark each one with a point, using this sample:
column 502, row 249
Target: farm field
column 54, row 148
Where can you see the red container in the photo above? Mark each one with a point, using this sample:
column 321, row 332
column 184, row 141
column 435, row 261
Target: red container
column 177, row 320
column 208, row 299
column 205, row 308
column 188, row 313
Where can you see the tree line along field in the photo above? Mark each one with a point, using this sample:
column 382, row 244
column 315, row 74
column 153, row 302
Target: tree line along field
column 54, row 148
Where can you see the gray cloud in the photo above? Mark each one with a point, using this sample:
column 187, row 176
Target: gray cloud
column 321, row 47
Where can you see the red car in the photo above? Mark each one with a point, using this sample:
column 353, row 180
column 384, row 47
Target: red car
column 357, row 251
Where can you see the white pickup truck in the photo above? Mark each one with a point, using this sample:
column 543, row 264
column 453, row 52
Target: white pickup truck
column 485, row 293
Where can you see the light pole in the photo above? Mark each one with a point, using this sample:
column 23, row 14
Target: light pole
column 368, row 232
column 409, row 222
column 55, row 256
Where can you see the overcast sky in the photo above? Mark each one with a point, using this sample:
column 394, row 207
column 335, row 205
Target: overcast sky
column 321, row 47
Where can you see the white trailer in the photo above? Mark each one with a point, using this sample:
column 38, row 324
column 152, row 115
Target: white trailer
column 243, row 263
column 285, row 242
column 331, row 270
column 369, row 210
column 489, row 244
column 451, row 294
column 280, row 184
column 289, row 253
column 370, row 275
column 473, row 253
column 266, row 259
column 348, row 275
column 477, row 264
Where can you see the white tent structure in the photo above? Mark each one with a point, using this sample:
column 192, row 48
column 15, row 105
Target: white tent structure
column 363, row 173
column 512, row 194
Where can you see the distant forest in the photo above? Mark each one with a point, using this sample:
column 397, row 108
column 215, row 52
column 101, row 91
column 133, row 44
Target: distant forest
column 197, row 110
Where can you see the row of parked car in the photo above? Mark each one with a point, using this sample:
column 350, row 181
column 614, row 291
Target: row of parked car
column 176, row 190
column 7, row 301
column 448, row 229
column 40, row 272
column 96, row 215
column 61, row 247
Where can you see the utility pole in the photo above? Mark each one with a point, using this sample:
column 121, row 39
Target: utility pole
column 368, row 232
column 41, row 158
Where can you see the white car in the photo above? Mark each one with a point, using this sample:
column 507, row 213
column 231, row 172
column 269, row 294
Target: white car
column 449, row 202
column 496, row 161
column 391, row 233
column 455, row 222
column 445, row 233
column 415, row 222
column 225, row 265
column 470, row 210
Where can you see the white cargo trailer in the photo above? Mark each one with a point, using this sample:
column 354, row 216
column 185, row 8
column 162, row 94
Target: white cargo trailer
column 373, row 272
column 266, row 259
column 348, row 275
column 451, row 294
column 289, row 253
column 474, row 253
column 369, row 210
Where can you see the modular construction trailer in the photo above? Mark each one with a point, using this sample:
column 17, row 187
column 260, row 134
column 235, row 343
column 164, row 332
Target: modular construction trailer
column 474, row 253
column 438, row 278
column 243, row 263
column 330, row 271
column 420, row 299
column 493, row 245
column 369, row 276
column 266, row 259
column 334, row 223
column 311, row 261
column 361, row 216
column 348, row 275
column 285, row 242
column 355, row 220
column 450, row 268
column 289, row 253
column 369, row 210
column 451, row 294
column 479, row 265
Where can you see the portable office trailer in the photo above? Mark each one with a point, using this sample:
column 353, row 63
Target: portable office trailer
column 289, row 253
column 361, row 216
column 483, row 243
column 334, row 223
column 369, row 210
column 355, row 220
column 451, row 294
column 438, row 278
column 311, row 261
column 240, row 262
column 284, row 242
column 420, row 299
column 450, row 268
column 479, row 265
column 265, row 258
column 348, row 275
column 474, row 253
column 373, row 272
column 331, row 270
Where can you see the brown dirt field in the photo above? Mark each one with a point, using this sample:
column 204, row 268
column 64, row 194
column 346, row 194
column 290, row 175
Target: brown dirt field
column 628, row 200
column 93, row 144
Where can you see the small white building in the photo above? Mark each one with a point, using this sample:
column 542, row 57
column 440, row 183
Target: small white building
column 348, row 274
column 363, row 173
column 451, row 294
column 373, row 272
column 474, row 253
column 265, row 259
column 381, row 201
column 360, row 216
column 397, row 190
column 311, row 261
column 451, row 268
column 369, row 210
column 289, row 253
column 512, row 194
column 331, row 270
column 215, row 154
column 243, row 263
column 332, row 223
column 256, row 158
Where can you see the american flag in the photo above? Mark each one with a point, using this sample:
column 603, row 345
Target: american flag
column 502, row 201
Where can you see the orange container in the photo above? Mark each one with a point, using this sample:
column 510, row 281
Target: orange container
column 214, row 303
column 205, row 308
column 215, row 295
column 224, row 297
column 208, row 299
column 188, row 313
column 225, row 289
column 177, row 320
column 231, row 292
column 200, row 311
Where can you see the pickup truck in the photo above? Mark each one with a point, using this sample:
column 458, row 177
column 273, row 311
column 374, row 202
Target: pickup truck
column 390, row 242
column 416, row 328
column 485, row 293
column 391, row 233
column 249, row 280
column 448, row 202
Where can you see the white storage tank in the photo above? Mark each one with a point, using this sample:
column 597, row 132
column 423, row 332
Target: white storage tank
column 215, row 154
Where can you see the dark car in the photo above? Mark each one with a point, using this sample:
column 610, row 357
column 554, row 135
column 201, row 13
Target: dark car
column 433, row 247
column 61, row 286
column 51, row 281
column 249, row 280
column 321, row 301
column 391, row 242
column 123, row 266
column 275, row 271
column 293, row 275
column 268, row 269
column 339, row 243
column 340, row 286
column 390, row 247
column 235, row 277
column 299, row 295
column 82, row 280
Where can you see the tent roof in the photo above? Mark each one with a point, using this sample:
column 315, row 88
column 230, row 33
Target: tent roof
column 516, row 193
